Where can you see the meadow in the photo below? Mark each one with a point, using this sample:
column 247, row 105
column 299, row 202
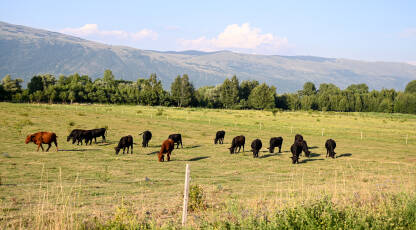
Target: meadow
column 90, row 186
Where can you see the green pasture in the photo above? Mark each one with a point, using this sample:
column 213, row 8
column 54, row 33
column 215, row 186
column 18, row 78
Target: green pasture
column 85, row 182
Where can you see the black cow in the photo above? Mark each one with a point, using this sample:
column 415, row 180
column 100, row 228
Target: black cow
column 275, row 142
column 255, row 147
column 306, row 148
column 219, row 137
column 296, row 150
column 177, row 139
column 330, row 146
column 147, row 136
column 238, row 141
column 79, row 135
column 74, row 135
column 298, row 137
column 85, row 135
column 125, row 142
column 99, row 133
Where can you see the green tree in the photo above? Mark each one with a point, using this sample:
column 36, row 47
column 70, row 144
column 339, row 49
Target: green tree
column 308, row 89
column 411, row 87
column 11, row 85
column 183, row 92
column 246, row 87
column 229, row 92
column 358, row 88
column 262, row 97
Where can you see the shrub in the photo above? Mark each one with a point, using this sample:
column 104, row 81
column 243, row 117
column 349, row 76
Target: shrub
column 159, row 112
column 196, row 198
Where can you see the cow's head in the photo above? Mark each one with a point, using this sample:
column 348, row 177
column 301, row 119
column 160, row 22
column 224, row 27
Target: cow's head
column 29, row 138
column 68, row 138
column 231, row 149
column 271, row 149
column 117, row 150
column 295, row 159
column 215, row 141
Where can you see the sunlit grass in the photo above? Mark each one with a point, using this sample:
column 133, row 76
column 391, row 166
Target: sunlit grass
column 83, row 182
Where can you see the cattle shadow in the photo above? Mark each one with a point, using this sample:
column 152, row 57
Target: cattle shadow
column 344, row 155
column 313, row 147
column 197, row 158
column 307, row 160
column 314, row 155
column 77, row 150
column 154, row 152
column 268, row 155
column 192, row 147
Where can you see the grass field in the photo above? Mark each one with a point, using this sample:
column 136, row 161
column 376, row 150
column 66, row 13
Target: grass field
column 63, row 189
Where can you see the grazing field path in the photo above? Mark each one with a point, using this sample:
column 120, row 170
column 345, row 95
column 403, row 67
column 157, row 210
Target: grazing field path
column 93, row 181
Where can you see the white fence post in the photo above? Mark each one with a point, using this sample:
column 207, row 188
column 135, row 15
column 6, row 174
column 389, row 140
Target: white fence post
column 186, row 195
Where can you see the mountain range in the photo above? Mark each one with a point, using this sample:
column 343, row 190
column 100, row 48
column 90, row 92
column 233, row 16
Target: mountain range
column 27, row 51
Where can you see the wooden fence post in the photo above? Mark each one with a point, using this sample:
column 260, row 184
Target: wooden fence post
column 186, row 195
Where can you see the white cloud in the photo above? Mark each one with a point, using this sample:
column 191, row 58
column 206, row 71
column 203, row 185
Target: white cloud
column 409, row 33
column 93, row 30
column 239, row 38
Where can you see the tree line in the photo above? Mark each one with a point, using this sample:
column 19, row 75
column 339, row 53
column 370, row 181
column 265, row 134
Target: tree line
column 232, row 94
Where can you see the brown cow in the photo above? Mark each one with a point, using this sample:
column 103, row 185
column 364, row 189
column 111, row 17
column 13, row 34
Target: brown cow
column 43, row 138
column 167, row 147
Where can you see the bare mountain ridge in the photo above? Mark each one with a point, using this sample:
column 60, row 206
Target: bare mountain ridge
column 27, row 51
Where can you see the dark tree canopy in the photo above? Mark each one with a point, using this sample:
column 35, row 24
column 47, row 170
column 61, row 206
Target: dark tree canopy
column 230, row 94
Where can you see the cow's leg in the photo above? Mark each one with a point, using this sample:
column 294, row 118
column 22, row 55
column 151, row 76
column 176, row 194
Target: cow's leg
column 131, row 150
column 168, row 154
column 49, row 146
column 280, row 149
column 327, row 152
column 56, row 144
column 40, row 145
column 95, row 140
column 124, row 149
column 181, row 144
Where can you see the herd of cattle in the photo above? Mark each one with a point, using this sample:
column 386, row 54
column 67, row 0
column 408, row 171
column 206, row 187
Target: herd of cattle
column 80, row 135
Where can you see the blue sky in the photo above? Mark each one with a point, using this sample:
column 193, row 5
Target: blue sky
column 363, row 30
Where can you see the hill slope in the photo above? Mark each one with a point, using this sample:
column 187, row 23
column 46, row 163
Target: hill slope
column 27, row 51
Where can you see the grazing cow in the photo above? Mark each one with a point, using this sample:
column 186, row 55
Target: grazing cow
column 125, row 142
column 298, row 146
column 296, row 150
column 219, row 137
column 298, row 137
column 43, row 138
column 255, row 147
column 74, row 135
column 238, row 141
column 147, row 136
column 275, row 142
column 306, row 148
column 177, row 139
column 99, row 133
column 330, row 146
column 167, row 147
column 84, row 135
